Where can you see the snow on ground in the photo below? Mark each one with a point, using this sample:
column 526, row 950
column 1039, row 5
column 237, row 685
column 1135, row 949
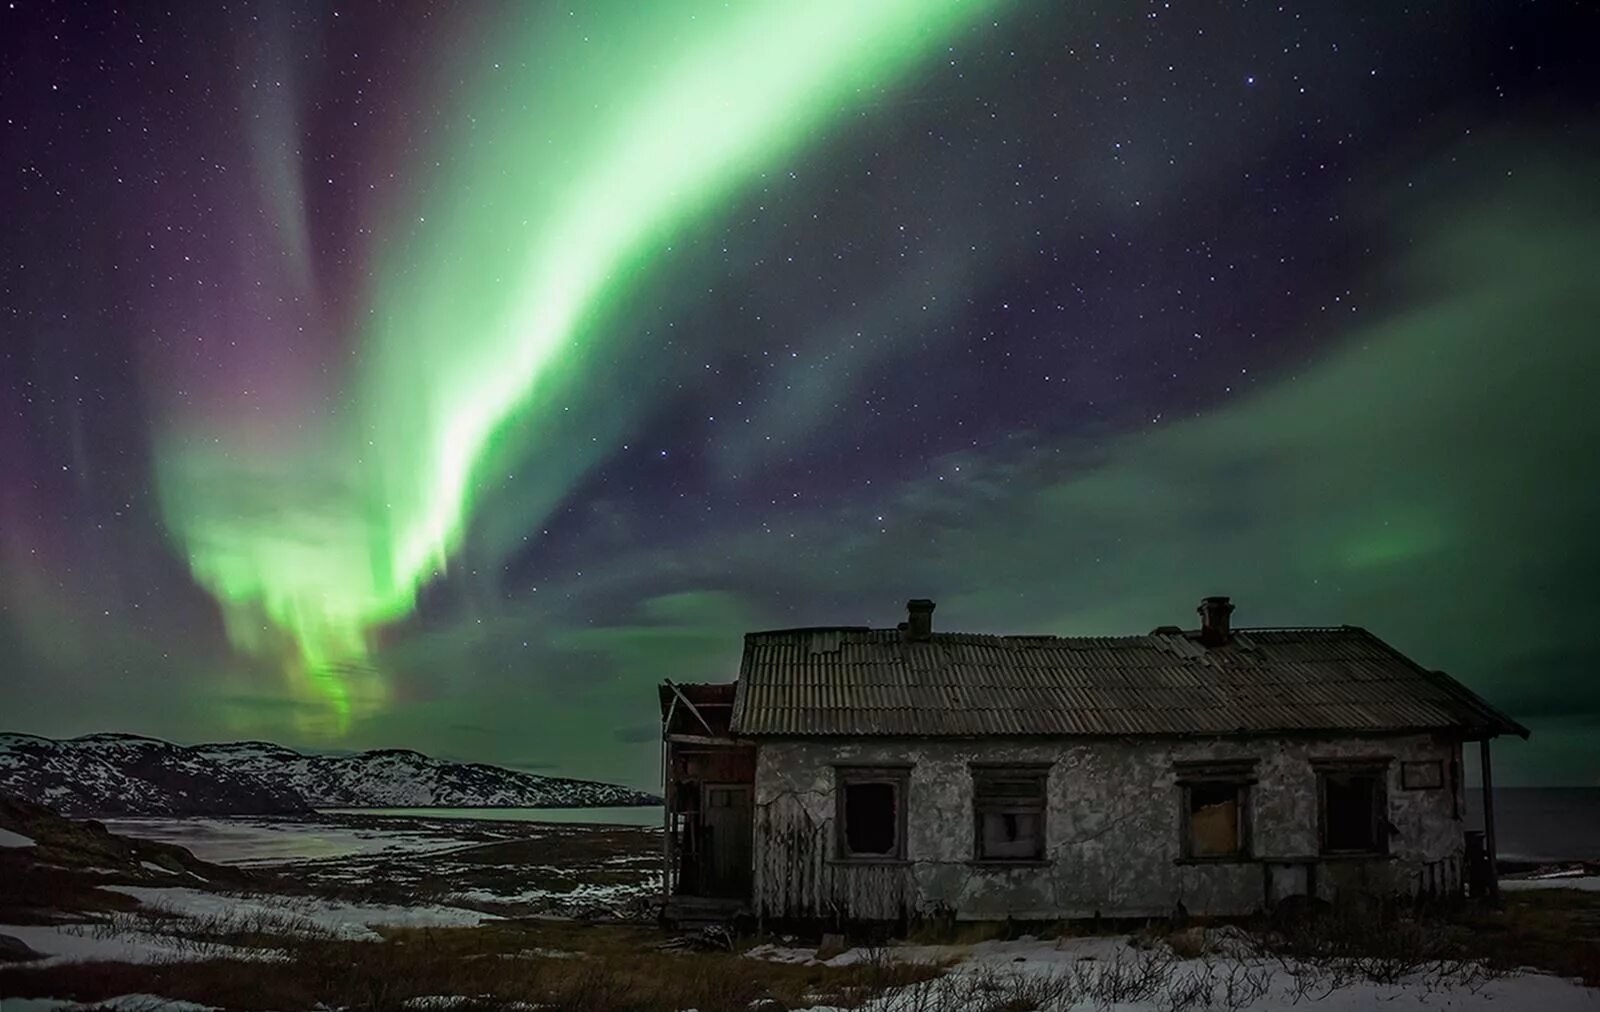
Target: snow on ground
column 122, row 939
column 585, row 894
column 10, row 839
column 121, row 1003
column 1027, row 959
column 450, row 1001
column 99, row 942
column 146, row 1003
column 1560, row 880
column 343, row 920
column 254, row 841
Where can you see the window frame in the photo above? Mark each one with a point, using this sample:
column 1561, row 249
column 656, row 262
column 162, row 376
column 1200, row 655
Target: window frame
column 1240, row 774
column 1375, row 769
column 1041, row 808
column 1413, row 776
column 899, row 778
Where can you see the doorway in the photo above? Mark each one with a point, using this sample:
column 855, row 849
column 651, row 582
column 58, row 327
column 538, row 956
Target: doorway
column 726, row 815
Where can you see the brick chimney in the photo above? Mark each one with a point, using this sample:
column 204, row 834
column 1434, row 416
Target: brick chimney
column 1214, row 612
column 919, row 624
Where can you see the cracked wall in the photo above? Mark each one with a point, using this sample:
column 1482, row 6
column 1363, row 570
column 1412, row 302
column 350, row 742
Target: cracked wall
column 1113, row 830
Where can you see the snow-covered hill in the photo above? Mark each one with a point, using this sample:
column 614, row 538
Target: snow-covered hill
column 401, row 778
column 121, row 774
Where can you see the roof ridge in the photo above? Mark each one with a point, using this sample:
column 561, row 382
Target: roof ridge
column 938, row 633
column 1273, row 679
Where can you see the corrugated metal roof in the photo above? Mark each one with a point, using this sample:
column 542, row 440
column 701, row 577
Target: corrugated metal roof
column 855, row 681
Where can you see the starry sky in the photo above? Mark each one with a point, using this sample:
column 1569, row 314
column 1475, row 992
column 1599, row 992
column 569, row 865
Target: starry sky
column 444, row 376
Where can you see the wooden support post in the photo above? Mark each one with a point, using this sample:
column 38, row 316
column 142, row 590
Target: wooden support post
column 1488, row 818
column 667, row 833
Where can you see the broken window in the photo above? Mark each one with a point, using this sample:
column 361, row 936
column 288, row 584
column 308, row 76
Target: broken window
column 1354, row 810
column 1009, row 805
column 1216, row 819
column 1216, row 807
column 871, row 813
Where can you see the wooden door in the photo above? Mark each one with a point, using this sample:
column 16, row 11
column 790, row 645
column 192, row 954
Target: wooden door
column 726, row 812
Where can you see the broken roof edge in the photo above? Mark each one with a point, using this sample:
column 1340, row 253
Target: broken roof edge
column 814, row 629
column 1502, row 722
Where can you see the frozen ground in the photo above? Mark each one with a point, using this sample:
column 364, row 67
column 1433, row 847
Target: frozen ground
column 157, row 938
column 524, row 892
column 254, row 841
column 117, row 942
column 500, row 867
column 509, row 868
column 10, row 839
column 1557, row 880
column 1110, row 975
column 121, row 1003
column 632, row 815
column 339, row 919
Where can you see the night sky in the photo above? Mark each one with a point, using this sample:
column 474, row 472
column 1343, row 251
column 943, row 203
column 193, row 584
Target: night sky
column 444, row 376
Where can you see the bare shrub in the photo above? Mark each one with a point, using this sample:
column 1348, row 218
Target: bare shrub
column 1388, row 943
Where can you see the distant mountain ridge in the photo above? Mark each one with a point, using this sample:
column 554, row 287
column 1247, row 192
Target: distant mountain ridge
column 126, row 774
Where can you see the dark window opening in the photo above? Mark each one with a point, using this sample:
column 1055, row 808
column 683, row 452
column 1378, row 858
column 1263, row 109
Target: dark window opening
column 1353, row 813
column 1215, row 813
column 1010, row 809
column 871, row 813
column 869, row 819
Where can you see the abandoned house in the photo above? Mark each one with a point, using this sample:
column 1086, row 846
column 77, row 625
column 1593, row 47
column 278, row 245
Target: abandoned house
column 856, row 774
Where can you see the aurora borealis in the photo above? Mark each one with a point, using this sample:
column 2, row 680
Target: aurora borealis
column 685, row 107
column 400, row 377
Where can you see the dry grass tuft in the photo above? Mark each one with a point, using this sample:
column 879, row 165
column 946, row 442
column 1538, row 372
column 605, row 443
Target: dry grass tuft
column 612, row 968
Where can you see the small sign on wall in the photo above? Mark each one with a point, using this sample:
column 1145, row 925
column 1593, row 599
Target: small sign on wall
column 1422, row 775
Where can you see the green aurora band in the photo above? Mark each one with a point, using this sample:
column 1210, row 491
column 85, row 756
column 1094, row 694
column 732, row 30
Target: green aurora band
column 578, row 162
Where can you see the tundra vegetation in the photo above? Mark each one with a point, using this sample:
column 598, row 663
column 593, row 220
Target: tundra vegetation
column 283, row 937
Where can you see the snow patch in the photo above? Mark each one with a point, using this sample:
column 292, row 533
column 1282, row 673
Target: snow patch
column 1563, row 880
column 147, row 1003
column 583, row 895
column 258, row 841
column 289, row 914
column 10, row 839
column 999, row 962
column 101, row 942
column 450, row 1001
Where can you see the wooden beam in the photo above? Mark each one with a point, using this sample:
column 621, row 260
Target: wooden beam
column 1488, row 818
column 700, row 739
column 692, row 708
column 666, row 825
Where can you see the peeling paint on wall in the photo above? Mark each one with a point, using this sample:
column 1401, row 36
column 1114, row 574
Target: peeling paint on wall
column 1113, row 825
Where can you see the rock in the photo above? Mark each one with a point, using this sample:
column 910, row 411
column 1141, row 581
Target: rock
column 15, row 950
